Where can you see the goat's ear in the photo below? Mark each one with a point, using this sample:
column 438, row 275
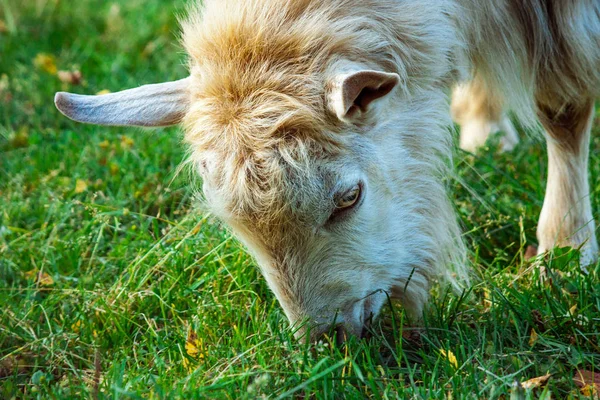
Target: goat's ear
column 162, row 104
column 352, row 94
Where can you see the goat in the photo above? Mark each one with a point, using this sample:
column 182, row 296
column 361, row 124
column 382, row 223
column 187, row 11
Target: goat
column 320, row 131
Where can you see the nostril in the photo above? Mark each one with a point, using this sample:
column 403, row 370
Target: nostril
column 341, row 335
column 334, row 333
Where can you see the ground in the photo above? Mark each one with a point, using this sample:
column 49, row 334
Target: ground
column 113, row 284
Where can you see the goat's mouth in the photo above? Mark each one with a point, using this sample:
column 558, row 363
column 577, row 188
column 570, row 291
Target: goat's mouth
column 371, row 308
column 353, row 320
column 367, row 318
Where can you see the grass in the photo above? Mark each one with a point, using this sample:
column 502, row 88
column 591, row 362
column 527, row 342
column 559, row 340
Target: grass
column 112, row 284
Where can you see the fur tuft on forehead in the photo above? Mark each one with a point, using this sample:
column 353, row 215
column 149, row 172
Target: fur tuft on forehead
column 260, row 75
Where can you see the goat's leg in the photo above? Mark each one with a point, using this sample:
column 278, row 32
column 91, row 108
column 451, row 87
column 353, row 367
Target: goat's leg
column 566, row 218
column 479, row 115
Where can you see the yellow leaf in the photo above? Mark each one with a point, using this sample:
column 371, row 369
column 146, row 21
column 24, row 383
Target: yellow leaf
column 450, row 356
column 80, row 186
column 533, row 337
column 31, row 274
column 195, row 230
column 105, row 91
column 588, row 382
column 76, row 326
column 104, row 144
column 41, row 278
column 126, row 142
column 573, row 309
column 193, row 345
column 187, row 366
column 536, row 382
column 45, row 280
column 589, row 391
column 191, row 349
column 46, row 62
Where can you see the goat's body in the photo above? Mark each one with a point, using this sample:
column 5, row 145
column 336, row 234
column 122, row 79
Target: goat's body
column 534, row 51
column 540, row 59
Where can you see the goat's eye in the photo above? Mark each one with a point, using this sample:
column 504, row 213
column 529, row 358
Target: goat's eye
column 348, row 199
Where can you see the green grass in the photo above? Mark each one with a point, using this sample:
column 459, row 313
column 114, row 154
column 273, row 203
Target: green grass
column 106, row 266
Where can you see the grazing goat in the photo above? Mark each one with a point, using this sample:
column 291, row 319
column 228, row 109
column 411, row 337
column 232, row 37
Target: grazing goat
column 321, row 131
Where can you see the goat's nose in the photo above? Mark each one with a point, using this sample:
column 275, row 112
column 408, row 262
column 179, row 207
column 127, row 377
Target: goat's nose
column 353, row 320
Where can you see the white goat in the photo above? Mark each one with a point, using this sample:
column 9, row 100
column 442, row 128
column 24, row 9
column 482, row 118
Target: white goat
column 320, row 129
